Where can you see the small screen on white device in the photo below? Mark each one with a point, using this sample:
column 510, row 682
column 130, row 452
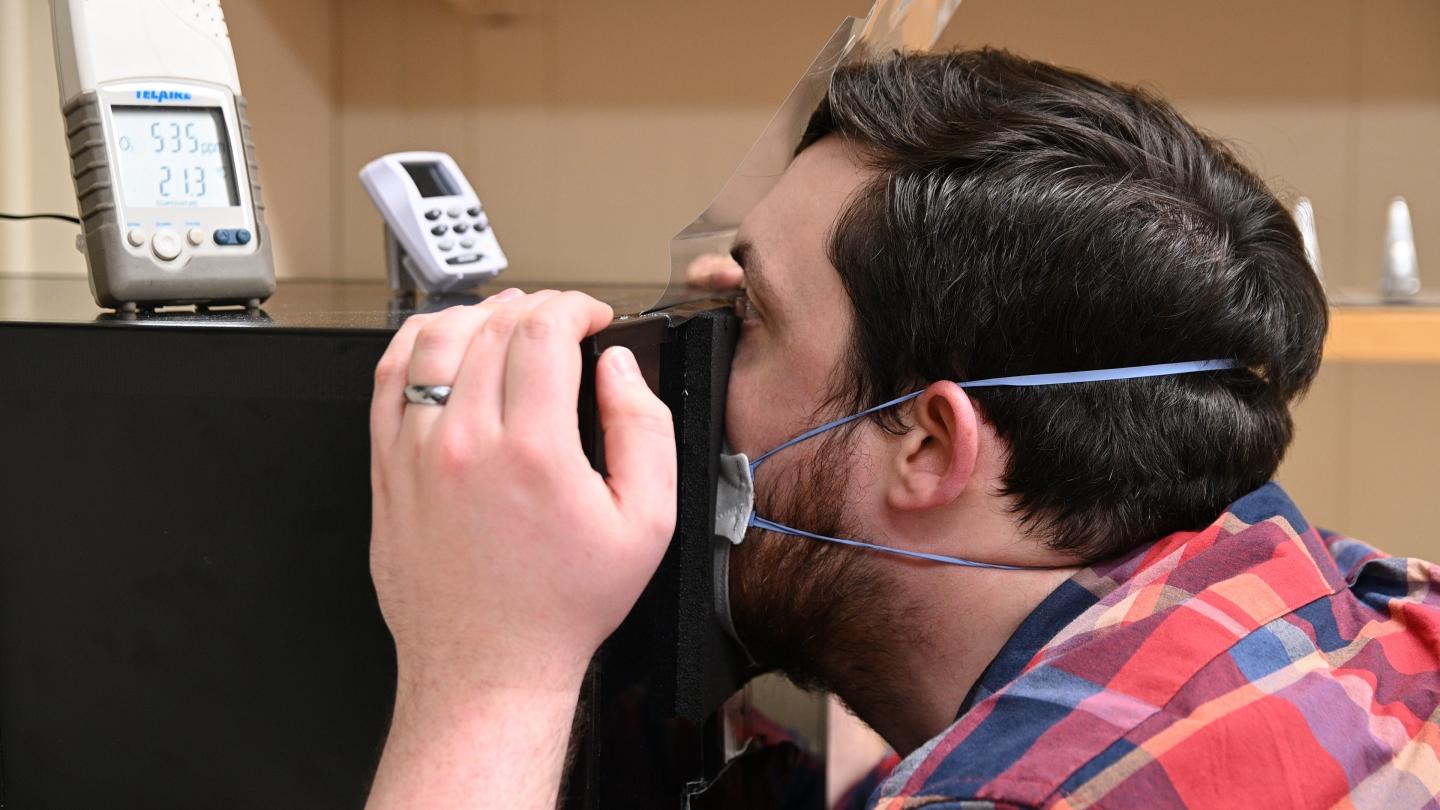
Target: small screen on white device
column 431, row 180
column 174, row 157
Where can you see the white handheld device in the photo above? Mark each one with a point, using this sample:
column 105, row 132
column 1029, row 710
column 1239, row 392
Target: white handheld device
column 437, row 234
column 161, row 154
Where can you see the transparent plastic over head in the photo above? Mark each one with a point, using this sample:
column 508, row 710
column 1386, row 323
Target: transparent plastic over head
column 904, row 25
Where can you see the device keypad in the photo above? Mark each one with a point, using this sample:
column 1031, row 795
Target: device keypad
column 443, row 235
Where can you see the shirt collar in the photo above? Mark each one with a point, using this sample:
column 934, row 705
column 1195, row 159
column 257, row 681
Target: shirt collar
column 1057, row 610
column 1310, row 573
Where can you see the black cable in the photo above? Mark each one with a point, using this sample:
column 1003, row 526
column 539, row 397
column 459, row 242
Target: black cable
column 65, row 217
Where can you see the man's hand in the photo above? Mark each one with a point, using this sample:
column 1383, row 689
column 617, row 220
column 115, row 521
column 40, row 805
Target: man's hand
column 500, row 557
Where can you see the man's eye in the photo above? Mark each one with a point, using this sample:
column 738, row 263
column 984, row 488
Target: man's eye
column 745, row 309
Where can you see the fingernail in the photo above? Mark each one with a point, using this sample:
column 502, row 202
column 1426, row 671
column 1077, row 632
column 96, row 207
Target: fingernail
column 506, row 295
column 624, row 362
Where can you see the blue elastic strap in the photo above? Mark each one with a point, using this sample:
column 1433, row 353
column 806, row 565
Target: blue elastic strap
column 1024, row 380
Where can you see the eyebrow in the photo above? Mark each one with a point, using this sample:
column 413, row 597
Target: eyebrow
column 745, row 255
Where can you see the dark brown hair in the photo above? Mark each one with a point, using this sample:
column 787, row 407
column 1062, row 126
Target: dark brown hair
column 1028, row 219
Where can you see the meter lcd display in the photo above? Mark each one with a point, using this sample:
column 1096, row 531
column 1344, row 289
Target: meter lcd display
column 173, row 157
column 431, row 180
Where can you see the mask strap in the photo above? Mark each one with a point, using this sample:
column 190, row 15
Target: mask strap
column 1024, row 380
column 1021, row 381
column 762, row 523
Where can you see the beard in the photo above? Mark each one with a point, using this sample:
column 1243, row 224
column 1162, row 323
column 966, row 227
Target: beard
column 823, row 614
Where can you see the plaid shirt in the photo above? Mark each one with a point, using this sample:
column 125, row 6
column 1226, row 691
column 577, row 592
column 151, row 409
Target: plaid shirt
column 1258, row 663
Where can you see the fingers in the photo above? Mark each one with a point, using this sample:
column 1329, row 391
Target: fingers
column 439, row 347
column 639, row 443
column 387, row 404
column 480, row 382
column 513, row 360
column 715, row 271
column 542, row 368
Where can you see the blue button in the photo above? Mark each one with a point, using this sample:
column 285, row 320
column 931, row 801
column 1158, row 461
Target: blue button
column 242, row 236
column 224, row 236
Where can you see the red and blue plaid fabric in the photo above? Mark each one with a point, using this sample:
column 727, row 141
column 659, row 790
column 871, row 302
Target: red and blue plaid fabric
column 1257, row 663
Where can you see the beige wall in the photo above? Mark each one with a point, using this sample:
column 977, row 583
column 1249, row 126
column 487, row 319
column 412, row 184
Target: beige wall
column 595, row 130
column 34, row 173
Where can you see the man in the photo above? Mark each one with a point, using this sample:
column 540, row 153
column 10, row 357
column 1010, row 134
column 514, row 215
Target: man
column 1137, row 619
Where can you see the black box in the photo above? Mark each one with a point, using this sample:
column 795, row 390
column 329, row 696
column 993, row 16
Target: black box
column 186, row 612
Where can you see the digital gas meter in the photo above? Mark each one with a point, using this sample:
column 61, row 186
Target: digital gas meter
column 161, row 155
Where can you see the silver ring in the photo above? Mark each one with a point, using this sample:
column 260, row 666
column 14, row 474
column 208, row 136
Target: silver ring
column 427, row 394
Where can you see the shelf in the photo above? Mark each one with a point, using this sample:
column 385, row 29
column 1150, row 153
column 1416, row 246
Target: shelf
column 1384, row 335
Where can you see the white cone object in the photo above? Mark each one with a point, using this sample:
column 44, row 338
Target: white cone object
column 1402, row 275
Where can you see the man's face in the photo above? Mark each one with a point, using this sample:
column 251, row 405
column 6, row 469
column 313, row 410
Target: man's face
column 809, row 608
column 797, row 329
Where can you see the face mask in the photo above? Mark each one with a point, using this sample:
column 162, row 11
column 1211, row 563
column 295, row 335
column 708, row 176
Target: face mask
column 735, row 493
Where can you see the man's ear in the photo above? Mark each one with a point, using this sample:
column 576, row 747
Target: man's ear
column 935, row 461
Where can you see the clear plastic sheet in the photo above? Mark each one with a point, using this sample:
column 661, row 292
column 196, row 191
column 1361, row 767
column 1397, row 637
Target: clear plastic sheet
column 906, row 25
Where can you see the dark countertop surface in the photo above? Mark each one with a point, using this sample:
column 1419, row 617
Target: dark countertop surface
column 297, row 304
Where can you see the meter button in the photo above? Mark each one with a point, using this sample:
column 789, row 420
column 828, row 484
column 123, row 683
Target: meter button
column 195, row 236
column 467, row 259
column 467, row 242
column 166, row 245
column 473, row 210
column 454, row 213
column 232, row 236
column 481, row 225
column 445, row 244
column 136, row 237
column 439, row 230
column 461, row 227
column 432, row 214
